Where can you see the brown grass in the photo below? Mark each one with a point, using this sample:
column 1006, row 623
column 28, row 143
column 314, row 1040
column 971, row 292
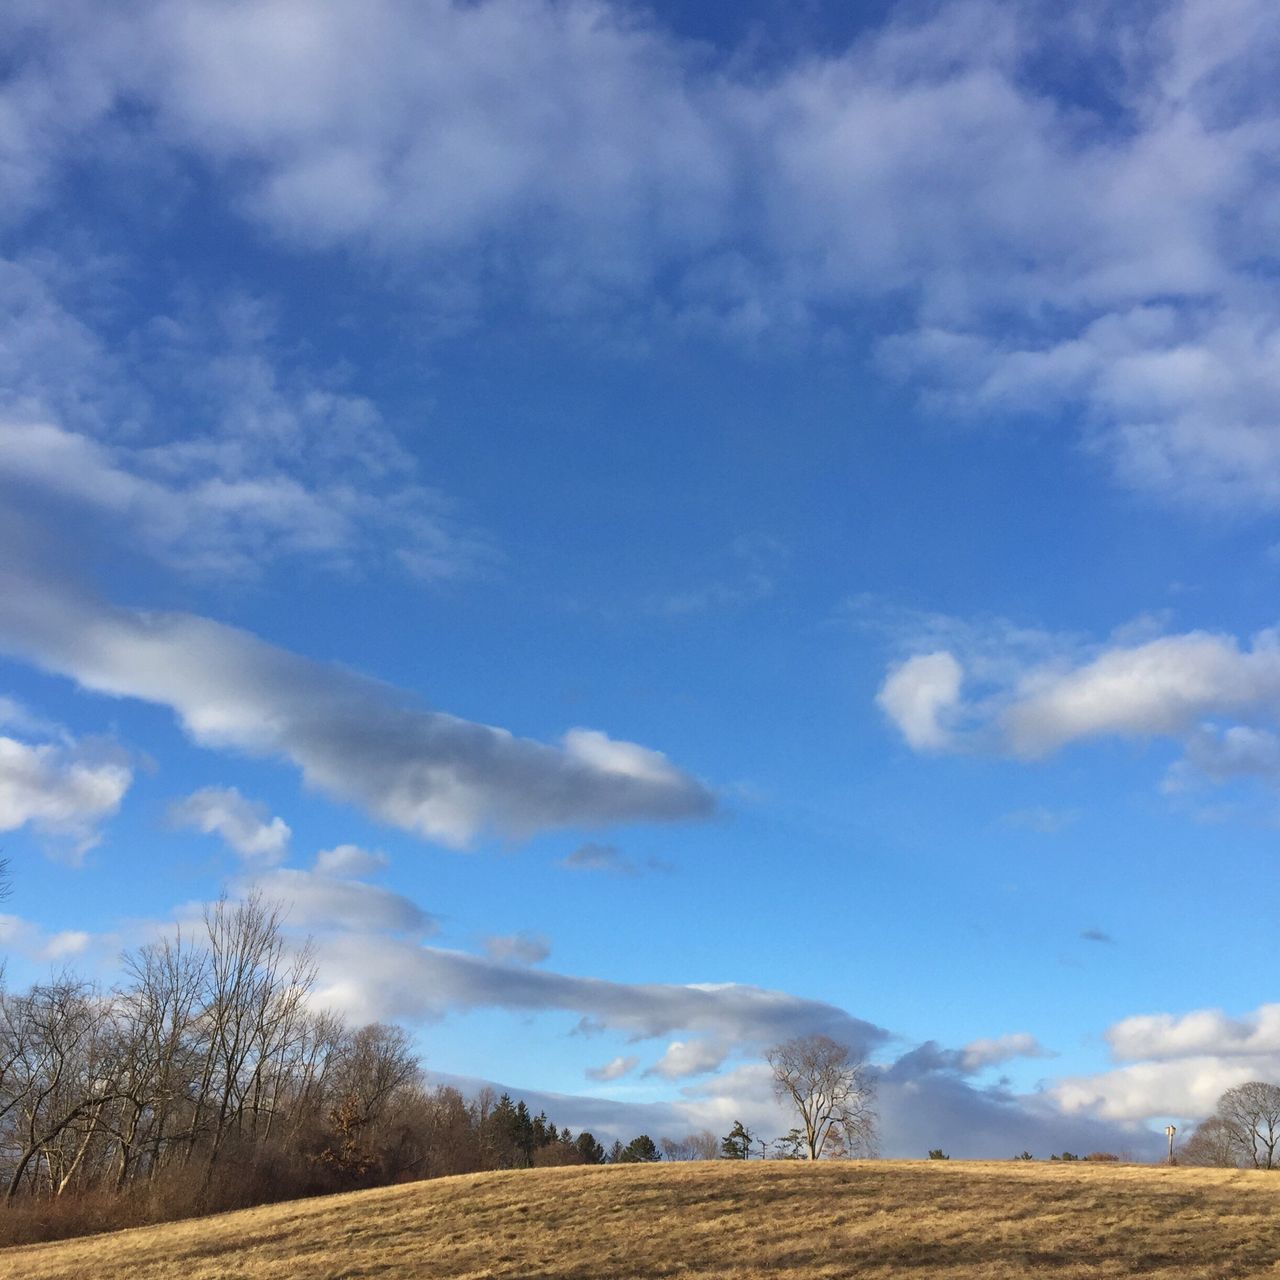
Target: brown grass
column 779, row 1219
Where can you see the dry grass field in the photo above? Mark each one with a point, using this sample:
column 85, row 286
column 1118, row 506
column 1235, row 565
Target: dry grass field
column 775, row 1219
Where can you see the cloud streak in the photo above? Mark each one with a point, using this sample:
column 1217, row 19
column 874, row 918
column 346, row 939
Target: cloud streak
column 430, row 773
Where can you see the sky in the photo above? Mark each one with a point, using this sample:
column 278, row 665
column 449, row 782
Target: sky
column 660, row 529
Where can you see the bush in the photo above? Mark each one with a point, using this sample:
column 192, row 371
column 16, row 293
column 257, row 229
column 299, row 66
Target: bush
column 938, row 1154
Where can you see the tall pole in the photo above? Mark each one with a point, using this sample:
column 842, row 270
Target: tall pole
column 1170, row 1130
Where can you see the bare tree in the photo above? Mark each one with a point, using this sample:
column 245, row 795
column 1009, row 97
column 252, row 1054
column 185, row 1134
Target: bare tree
column 831, row 1090
column 1250, row 1115
column 703, row 1145
column 1210, row 1145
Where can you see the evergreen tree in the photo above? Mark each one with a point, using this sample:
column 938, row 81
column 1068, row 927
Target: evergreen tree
column 641, row 1150
column 590, row 1150
column 737, row 1144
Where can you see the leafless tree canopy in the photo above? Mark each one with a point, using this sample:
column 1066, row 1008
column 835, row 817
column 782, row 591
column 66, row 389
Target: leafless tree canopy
column 703, row 1145
column 1248, row 1117
column 1210, row 1145
column 208, row 1081
column 832, row 1092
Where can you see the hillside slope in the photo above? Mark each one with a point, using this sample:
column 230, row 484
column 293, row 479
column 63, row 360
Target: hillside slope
column 721, row 1219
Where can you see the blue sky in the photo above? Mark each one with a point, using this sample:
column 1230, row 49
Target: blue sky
column 660, row 529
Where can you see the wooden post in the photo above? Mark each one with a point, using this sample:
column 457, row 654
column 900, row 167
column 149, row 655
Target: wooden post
column 1170, row 1130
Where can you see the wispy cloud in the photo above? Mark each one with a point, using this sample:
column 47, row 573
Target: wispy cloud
column 272, row 463
column 1097, row 256
column 518, row 948
column 608, row 859
column 1041, row 820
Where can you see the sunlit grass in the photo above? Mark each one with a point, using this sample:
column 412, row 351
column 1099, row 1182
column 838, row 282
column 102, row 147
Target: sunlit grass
column 721, row 1219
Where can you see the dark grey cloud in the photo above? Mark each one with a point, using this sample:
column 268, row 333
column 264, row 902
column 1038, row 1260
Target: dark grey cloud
column 610, row 860
column 1096, row 935
column 607, row 858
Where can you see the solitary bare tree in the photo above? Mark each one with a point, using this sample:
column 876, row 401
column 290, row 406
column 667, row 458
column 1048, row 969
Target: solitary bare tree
column 832, row 1092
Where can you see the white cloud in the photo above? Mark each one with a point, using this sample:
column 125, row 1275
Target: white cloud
column 1216, row 697
column 1160, row 688
column 1045, row 250
column 375, row 977
column 1203, row 1031
column 349, row 860
column 1176, row 1064
column 270, row 461
column 61, row 790
column 38, row 944
column 683, row 1058
column 425, row 771
column 919, row 696
column 978, row 1054
column 242, row 823
column 314, row 900
column 614, row 1069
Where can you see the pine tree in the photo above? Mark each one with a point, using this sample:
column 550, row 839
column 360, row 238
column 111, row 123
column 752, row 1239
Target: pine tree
column 737, row 1144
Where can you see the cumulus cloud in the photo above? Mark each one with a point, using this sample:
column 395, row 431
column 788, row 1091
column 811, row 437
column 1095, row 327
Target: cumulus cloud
column 1215, row 696
column 683, row 1058
column 989, row 1052
column 349, row 860
column 62, row 790
column 428, row 772
column 614, row 1069
column 1176, row 1064
column 520, row 948
column 919, row 695
column 1160, row 688
column 242, row 823
column 1166, row 1036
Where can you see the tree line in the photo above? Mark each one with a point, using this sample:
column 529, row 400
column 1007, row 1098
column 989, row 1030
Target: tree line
column 206, row 1080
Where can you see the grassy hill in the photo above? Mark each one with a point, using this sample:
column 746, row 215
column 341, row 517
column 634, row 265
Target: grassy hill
column 778, row 1219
